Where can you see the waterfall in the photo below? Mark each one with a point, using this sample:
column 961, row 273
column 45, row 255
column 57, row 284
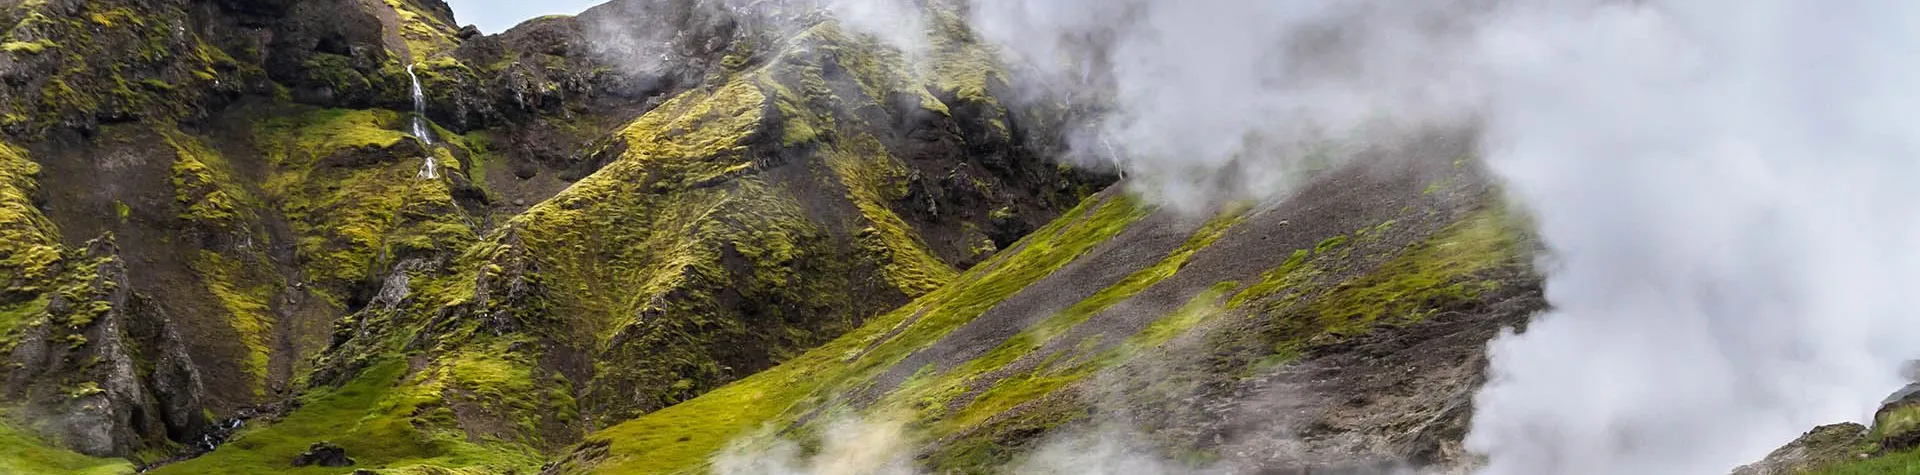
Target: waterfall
column 430, row 169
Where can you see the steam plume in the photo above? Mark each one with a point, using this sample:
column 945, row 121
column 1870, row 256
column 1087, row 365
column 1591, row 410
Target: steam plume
column 851, row 446
column 1235, row 98
column 1724, row 187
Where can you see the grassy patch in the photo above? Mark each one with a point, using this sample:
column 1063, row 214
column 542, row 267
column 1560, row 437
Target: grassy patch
column 1903, row 463
column 385, row 419
column 23, row 454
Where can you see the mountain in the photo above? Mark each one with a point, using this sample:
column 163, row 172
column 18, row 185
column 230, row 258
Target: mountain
column 671, row 237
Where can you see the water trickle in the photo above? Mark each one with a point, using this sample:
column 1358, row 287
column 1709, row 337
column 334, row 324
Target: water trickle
column 430, row 169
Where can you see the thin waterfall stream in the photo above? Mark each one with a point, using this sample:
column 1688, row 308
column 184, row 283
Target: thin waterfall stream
column 430, row 169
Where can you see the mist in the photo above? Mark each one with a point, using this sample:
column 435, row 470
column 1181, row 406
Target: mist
column 1723, row 188
column 848, row 446
column 1213, row 100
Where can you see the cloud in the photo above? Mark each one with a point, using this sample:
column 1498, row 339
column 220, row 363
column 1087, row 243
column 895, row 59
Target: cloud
column 1724, row 187
column 850, row 446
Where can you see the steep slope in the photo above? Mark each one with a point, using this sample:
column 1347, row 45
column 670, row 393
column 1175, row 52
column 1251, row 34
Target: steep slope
column 216, row 218
column 1361, row 305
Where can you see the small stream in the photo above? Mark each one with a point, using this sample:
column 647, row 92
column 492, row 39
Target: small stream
column 219, row 434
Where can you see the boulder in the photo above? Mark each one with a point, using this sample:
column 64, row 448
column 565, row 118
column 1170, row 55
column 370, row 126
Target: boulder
column 324, row 454
column 1897, row 423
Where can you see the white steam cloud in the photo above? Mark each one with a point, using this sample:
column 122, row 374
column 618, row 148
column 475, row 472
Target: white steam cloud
column 1218, row 99
column 851, row 446
column 1726, row 189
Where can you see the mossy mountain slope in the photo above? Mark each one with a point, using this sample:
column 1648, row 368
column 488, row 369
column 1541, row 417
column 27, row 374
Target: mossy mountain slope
column 664, row 228
column 1366, row 300
column 214, row 220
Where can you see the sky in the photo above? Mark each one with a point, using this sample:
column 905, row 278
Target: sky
column 494, row 16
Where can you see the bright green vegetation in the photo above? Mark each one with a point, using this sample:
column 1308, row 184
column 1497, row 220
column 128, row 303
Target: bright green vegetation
column 679, row 439
column 161, row 73
column 241, row 280
column 872, row 176
column 1058, row 370
column 203, row 184
column 1431, row 275
column 1904, row 419
column 354, row 212
column 377, row 418
column 1446, row 268
column 24, row 454
column 1902, row 463
column 1197, row 310
column 28, row 47
column 243, row 293
column 426, row 36
column 29, row 245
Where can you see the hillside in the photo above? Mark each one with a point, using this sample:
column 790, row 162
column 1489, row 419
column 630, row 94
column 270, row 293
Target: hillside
column 670, row 237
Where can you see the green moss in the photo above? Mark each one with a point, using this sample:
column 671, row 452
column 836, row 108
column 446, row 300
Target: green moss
column 1008, row 392
column 24, row 454
column 872, row 178
column 1274, row 281
column 28, row 47
column 679, row 439
column 1330, row 244
column 29, row 242
column 204, row 186
column 337, row 72
column 1901, row 420
column 354, row 216
column 111, row 53
column 244, row 294
column 426, row 36
column 384, row 419
column 1197, row 310
column 1410, row 286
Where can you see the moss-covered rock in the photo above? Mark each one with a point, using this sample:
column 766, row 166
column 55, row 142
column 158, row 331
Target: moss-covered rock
column 763, row 193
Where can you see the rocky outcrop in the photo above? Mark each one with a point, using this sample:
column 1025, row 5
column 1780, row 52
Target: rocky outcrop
column 1821, row 447
column 1896, row 430
column 323, row 454
column 101, row 369
column 1896, row 425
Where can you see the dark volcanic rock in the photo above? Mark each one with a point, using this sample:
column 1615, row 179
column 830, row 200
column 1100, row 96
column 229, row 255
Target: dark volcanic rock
column 324, row 454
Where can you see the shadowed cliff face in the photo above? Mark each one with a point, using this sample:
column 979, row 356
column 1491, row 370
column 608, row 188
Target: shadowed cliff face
column 212, row 210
